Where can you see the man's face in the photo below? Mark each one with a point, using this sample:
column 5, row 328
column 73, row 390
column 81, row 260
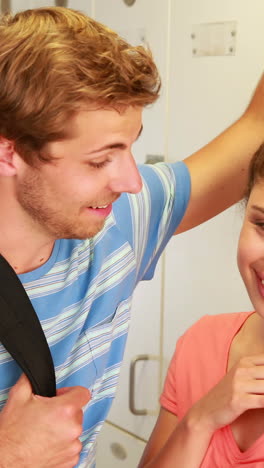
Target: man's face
column 251, row 248
column 71, row 196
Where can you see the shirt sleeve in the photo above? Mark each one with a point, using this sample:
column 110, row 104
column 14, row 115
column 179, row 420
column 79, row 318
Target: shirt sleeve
column 150, row 218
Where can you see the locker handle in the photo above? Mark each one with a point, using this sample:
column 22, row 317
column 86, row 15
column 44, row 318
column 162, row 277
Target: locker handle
column 132, row 379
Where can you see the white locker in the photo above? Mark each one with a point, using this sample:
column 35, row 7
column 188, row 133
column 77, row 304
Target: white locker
column 201, row 96
column 82, row 5
column 210, row 93
column 120, row 449
column 145, row 21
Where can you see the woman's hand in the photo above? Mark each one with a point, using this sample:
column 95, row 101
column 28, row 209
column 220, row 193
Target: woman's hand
column 241, row 389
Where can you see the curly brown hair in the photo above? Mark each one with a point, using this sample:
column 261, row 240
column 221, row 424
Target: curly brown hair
column 55, row 61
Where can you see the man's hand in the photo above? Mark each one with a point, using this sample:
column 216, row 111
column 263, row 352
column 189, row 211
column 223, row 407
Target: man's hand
column 41, row 432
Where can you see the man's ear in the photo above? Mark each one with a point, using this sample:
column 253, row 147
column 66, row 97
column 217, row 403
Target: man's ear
column 7, row 152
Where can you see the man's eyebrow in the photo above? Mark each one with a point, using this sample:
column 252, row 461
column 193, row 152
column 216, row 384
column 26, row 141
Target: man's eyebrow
column 258, row 208
column 115, row 145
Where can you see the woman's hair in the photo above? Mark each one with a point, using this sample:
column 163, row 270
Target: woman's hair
column 256, row 170
column 55, row 61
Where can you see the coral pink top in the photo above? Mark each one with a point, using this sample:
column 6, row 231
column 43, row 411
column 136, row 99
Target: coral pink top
column 199, row 362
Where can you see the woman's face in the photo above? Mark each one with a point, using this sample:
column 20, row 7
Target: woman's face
column 250, row 254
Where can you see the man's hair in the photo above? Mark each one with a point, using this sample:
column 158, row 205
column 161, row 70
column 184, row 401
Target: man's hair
column 55, row 61
column 256, row 170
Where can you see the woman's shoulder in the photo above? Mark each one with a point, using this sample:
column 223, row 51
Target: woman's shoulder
column 219, row 322
column 214, row 329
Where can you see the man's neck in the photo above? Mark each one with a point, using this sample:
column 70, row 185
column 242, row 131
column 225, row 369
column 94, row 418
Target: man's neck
column 23, row 242
column 24, row 256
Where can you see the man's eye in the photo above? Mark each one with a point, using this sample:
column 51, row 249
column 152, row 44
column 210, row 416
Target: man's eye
column 260, row 224
column 98, row 165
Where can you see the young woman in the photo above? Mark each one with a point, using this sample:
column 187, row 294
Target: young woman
column 212, row 405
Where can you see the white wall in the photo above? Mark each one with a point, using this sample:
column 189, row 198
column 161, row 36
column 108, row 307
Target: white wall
column 206, row 95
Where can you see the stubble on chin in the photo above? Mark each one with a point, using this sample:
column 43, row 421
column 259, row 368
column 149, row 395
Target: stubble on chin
column 44, row 214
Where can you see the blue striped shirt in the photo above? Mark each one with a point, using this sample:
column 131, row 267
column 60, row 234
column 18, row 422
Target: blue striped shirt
column 82, row 294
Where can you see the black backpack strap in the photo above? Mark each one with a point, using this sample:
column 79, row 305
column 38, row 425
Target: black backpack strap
column 22, row 335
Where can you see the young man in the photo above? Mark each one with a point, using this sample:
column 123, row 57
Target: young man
column 80, row 223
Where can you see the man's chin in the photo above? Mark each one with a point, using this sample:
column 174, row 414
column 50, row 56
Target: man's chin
column 85, row 233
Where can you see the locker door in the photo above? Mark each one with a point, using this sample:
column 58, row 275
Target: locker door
column 116, row 449
column 144, row 21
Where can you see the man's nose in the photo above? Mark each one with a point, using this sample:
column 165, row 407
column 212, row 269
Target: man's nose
column 127, row 177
